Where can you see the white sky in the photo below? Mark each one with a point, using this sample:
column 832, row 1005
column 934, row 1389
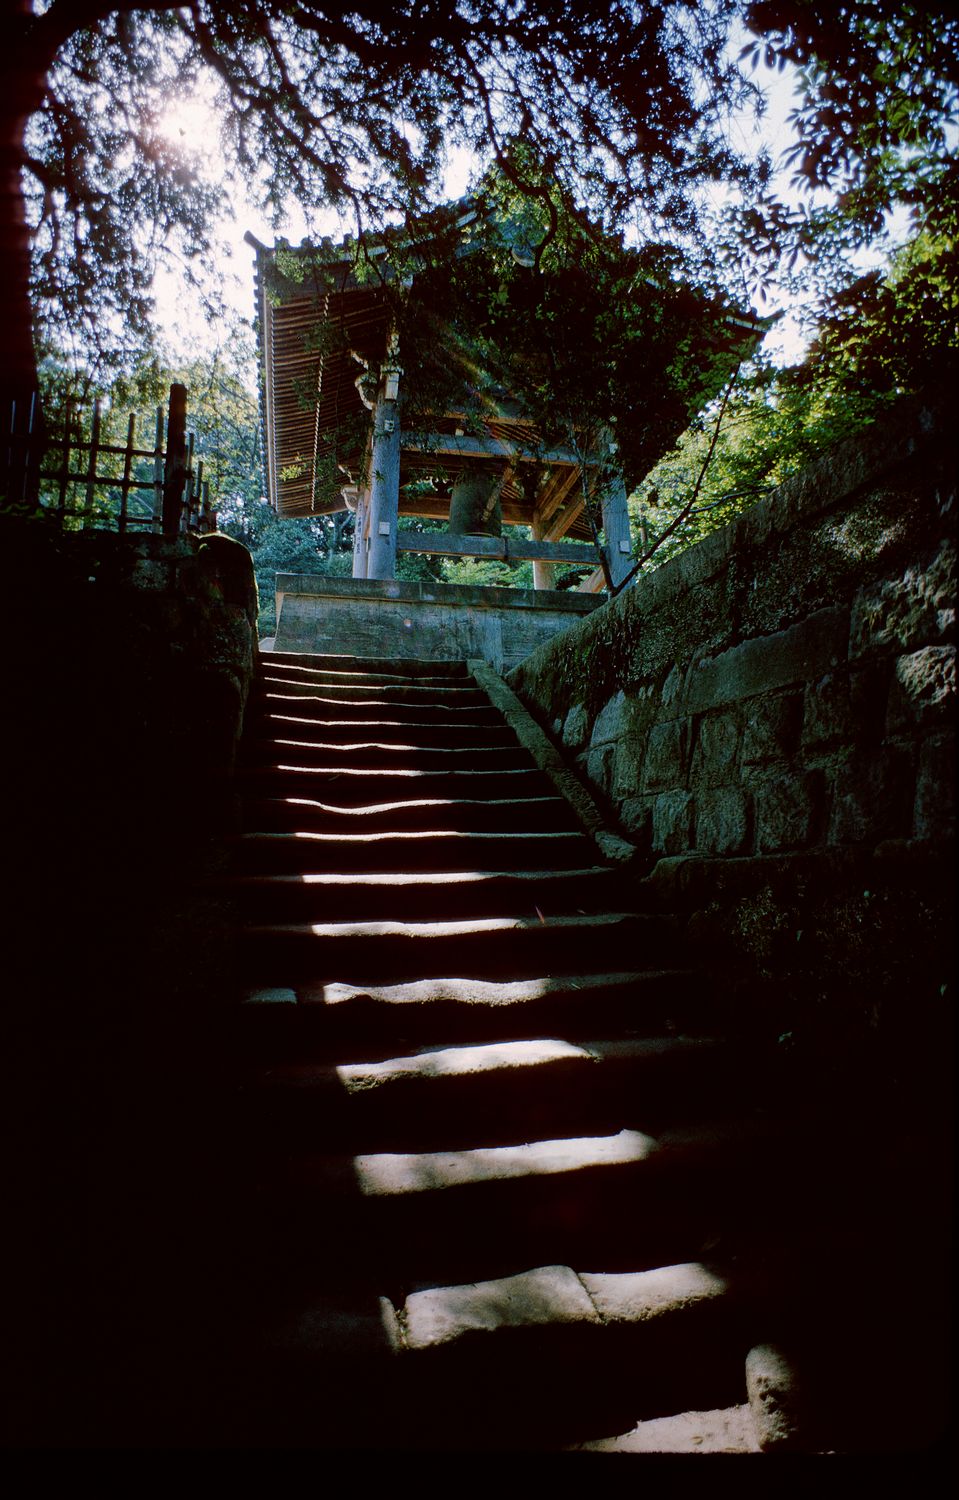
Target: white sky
column 194, row 122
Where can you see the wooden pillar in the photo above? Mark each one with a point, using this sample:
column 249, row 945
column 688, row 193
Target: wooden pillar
column 385, row 474
column 619, row 546
column 358, row 502
column 544, row 573
column 175, row 468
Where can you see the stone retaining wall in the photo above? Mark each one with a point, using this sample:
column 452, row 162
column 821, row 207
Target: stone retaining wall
column 789, row 683
column 128, row 672
column 441, row 621
column 128, row 664
column 771, row 719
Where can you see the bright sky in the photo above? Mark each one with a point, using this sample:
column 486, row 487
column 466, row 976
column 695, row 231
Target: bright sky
column 193, row 122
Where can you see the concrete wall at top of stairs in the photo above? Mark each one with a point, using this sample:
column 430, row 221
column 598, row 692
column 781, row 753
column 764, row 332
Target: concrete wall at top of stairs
column 441, row 621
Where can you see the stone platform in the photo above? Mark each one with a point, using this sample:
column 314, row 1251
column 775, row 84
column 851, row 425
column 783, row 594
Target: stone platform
column 386, row 618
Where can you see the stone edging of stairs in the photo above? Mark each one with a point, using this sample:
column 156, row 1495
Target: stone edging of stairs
column 548, row 760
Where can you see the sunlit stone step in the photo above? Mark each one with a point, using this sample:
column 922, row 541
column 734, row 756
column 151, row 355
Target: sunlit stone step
column 518, row 815
column 326, row 686
column 730, row 1429
column 358, row 786
column 443, row 1215
column 402, row 666
column 496, row 1092
column 375, row 951
column 389, row 1174
column 401, row 895
column 386, row 730
column 273, row 668
column 309, row 1018
column 373, row 753
column 449, row 714
column 555, row 1295
column 430, row 849
column 548, row 1358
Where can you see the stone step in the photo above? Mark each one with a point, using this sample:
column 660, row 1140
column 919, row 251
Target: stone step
column 430, row 1138
column 497, row 1092
column 345, row 676
column 629, row 1197
column 728, row 1430
column 363, row 787
column 433, row 850
column 404, row 666
column 325, row 689
column 371, row 753
column 327, row 707
column 308, row 1020
column 385, row 731
column 489, row 947
column 408, row 896
column 519, row 815
column 546, row 1359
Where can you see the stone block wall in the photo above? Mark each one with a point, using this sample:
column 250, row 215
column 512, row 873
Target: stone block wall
column 771, row 719
column 133, row 658
column 128, row 668
column 788, row 684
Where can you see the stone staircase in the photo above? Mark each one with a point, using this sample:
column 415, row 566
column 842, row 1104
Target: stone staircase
column 498, row 1182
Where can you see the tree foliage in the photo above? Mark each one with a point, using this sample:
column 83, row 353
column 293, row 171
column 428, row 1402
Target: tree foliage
column 580, row 332
column 874, row 129
column 350, row 105
column 881, row 337
column 624, row 105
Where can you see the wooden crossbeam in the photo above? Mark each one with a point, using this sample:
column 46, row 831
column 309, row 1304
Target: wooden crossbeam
column 445, row 444
column 501, row 548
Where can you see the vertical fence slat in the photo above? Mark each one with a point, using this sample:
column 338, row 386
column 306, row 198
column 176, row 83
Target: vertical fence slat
column 158, row 473
column 63, row 474
column 188, row 490
column 127, row 467
column 33, row 412
column 197, row 510
column 91, row 483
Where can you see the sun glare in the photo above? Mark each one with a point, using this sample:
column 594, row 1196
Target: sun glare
column 192, row 124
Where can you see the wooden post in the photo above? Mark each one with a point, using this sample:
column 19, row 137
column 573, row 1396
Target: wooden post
column 22, row 442
column 358, row 501
column 619, row 546
column 544, row 573
column 385, row 474
column 174, row 469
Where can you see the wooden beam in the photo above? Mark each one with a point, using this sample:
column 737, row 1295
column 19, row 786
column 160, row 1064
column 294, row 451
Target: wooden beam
column 565, row 517
column 501, row 548
column 445, row 445
column 438, row 509
column 594, row 584
column 561, row 506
